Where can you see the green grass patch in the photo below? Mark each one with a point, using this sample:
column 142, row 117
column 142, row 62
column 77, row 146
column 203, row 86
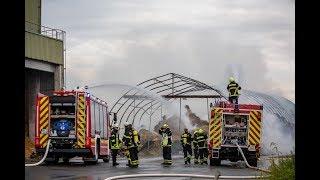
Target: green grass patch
column 282, row 168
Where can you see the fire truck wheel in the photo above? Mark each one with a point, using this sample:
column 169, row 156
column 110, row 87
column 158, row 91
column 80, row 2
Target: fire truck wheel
column 106, row 159
column 253, row 162
column 65, row 160
column 90, row 162
column 215, row 162
column 52, row 160
column 233, row 160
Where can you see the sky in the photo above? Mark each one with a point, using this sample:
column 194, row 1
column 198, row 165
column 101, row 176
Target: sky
column 129, row 41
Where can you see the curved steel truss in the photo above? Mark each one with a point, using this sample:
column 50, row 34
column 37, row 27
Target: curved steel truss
column 145, row 99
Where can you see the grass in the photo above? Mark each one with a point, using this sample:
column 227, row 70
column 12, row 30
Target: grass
column 28, row 147
column 284, row 169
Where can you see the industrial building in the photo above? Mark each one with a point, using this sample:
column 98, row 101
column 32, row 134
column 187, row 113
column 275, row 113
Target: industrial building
column 44, row 60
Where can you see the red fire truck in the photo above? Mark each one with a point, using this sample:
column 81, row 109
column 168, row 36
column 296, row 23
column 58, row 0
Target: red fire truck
column 228, row 125
column 77, row 124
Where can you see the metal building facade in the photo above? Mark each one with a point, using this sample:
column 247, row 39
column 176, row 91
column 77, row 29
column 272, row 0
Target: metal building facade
column 44, row 60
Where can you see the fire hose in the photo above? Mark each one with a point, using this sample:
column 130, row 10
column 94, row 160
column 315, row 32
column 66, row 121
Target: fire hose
column 47, row 150
column 44, row 157
column 95, row 147
column 245, row 160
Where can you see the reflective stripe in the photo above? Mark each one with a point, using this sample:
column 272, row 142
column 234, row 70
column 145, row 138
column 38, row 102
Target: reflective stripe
column 235, row 92
column 184, row 138
column 135, row 162
column 115, row 144
column 136, row 137
column 165, row 139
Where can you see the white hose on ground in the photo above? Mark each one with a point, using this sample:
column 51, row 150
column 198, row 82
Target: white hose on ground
column 44, row 157
column 245, row 160
column 95, row 147
column 182, row 175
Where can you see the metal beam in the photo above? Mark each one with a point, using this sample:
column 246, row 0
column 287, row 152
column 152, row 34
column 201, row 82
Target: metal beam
column 138, row 97
column 191, row 96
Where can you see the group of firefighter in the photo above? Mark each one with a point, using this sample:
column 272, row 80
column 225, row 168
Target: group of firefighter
column 130, row 143
column 131, row 139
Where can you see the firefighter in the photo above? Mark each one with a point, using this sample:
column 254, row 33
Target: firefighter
column 186, row 140
column 202, row 145
column 166, row 134
column 131, row 140
column 115, row 144
column 195, row 147
column 233, row 89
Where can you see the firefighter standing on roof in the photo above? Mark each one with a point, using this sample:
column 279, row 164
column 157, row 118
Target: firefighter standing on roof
column 233, row 89
column 166, row 134
column 186, row 140
column 195, row 147
column 131, row 140
column 202, row 145
column 115, row 144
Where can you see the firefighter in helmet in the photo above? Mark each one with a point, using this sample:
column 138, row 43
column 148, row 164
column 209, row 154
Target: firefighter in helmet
column 131, row 140
column 166, row 143
column 202, row 145
column 115, row 144
column 186, row 139
column 233, row 89
column 195, row 146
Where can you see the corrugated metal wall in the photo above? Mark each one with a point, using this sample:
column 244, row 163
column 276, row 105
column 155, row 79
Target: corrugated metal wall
column 43, row 48
column 33, row 14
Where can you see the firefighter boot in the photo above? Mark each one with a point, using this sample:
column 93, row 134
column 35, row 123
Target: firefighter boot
column 205, row 162
column 129, row 163
column 189, row 160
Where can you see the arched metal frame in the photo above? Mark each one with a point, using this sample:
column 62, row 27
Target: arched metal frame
column 167, row 84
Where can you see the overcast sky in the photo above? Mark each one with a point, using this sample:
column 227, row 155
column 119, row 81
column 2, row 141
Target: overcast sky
column 128, row 41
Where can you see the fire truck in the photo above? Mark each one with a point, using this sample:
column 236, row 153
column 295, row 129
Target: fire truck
column 229, row 125
column 76, row 123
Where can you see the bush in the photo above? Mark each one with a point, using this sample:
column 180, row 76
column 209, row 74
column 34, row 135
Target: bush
column 284, row 169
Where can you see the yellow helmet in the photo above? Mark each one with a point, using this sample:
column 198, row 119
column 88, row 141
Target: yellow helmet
column 231, row 79
column 165, row 125
column 196, row 130
column 200, row 130
column 115, row 126
column 126, row 123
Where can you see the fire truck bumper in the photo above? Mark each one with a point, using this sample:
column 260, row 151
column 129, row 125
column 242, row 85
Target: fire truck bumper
column 65, row 151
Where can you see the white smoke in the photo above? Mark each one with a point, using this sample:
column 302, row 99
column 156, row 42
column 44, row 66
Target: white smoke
column 174, row 110
column 273, row 132
column 235, row 71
